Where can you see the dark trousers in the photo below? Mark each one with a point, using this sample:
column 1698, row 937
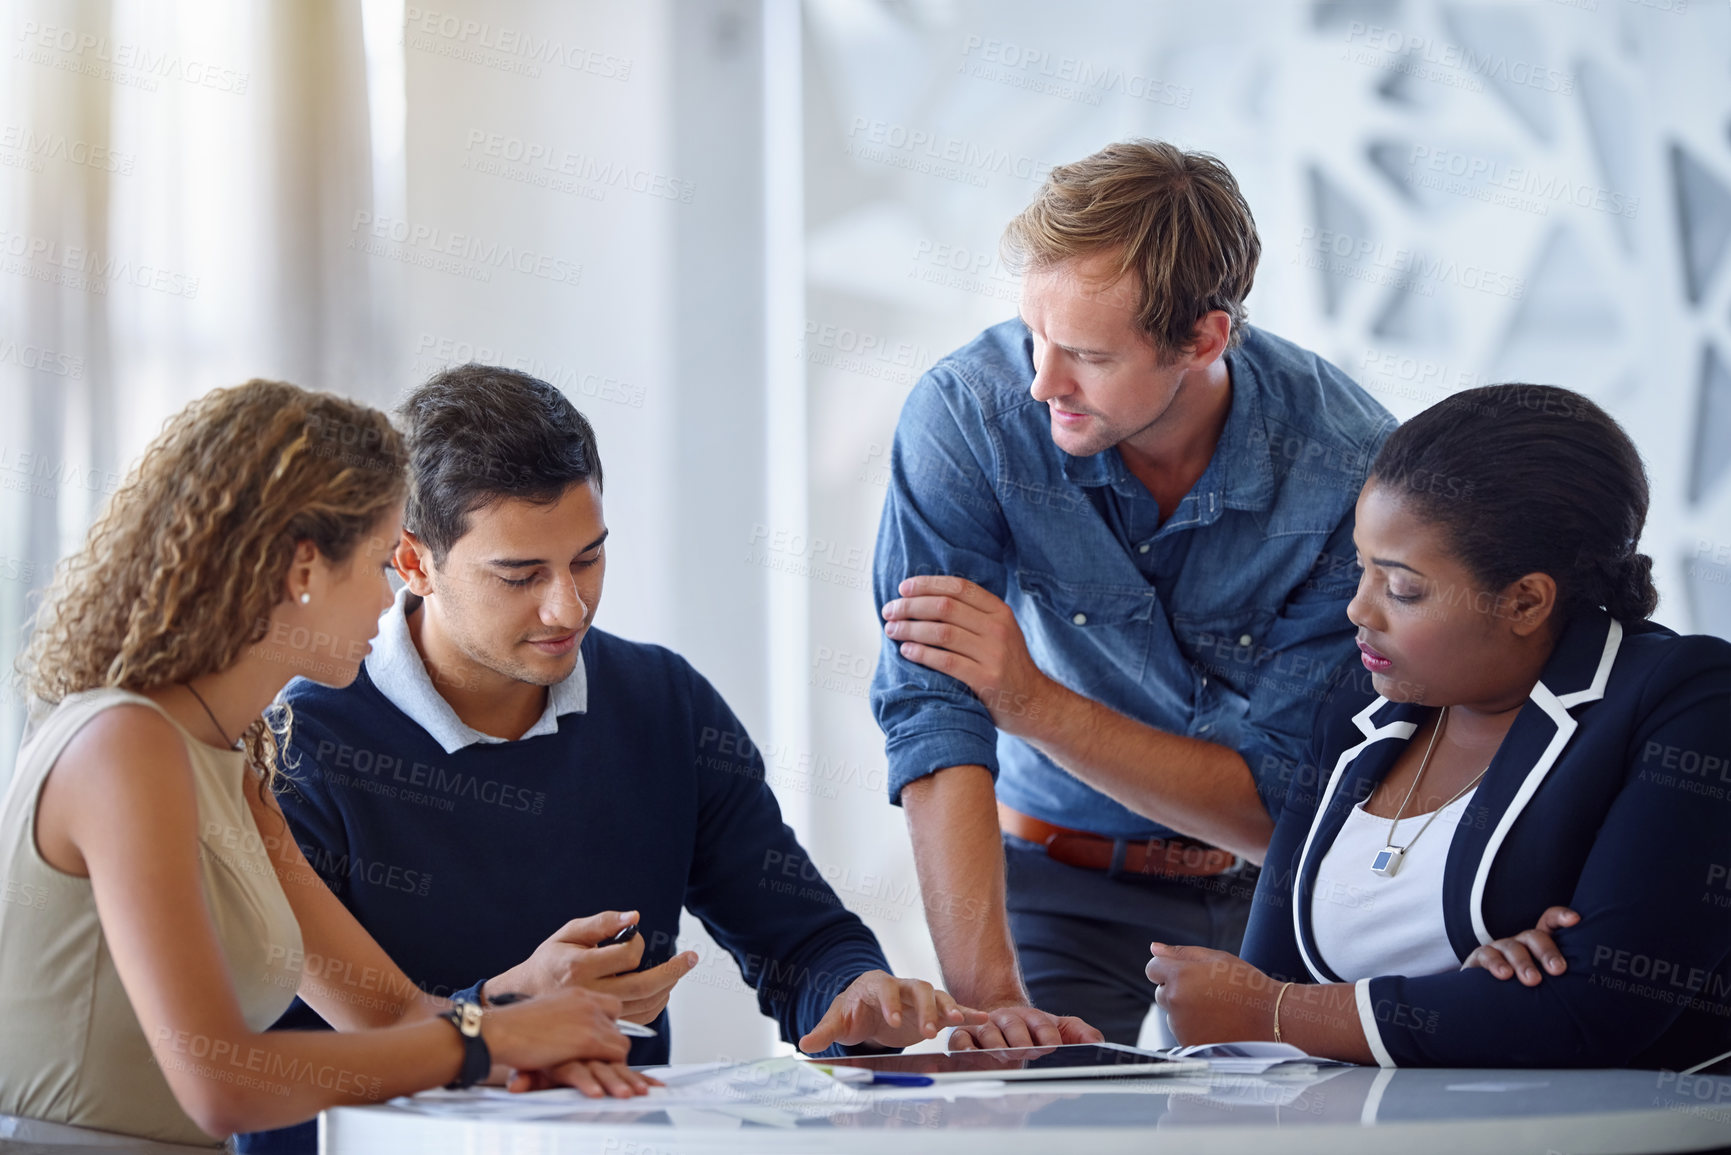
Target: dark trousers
column 1082, row 935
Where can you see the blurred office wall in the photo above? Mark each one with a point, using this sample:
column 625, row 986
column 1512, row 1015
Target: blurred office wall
column 736, row 232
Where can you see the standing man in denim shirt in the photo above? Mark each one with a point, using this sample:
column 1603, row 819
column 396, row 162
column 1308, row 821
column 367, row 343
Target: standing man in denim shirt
column 1114, row 563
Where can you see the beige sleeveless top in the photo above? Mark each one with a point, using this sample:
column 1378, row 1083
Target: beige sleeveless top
column 71, row 1049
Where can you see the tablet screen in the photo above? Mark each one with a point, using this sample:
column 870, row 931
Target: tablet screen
column 1055, row 1061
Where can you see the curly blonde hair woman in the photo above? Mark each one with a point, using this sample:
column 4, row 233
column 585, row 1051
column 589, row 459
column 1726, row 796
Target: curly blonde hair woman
column 157, row 916
column 181, row 572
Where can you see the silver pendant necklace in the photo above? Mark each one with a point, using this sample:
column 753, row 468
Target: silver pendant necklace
column 1387, row 860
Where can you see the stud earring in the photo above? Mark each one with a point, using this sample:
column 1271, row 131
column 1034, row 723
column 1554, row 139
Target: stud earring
column 305, row 598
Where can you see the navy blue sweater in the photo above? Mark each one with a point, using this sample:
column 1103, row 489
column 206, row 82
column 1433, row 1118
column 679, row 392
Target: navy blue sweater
column 654, row 799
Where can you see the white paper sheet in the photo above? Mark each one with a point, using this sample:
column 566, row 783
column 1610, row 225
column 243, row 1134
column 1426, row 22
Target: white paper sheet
column 1251, row 1057
column 775, row 1092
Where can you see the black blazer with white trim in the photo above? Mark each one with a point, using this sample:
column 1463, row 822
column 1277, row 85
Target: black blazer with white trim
column 1611, row 794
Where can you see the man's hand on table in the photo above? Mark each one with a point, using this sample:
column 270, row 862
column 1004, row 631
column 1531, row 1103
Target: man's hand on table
column 570, row 958
column 1020, row 1025
column 881, row 1009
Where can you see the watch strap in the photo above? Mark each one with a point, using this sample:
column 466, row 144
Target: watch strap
column 477, row 1059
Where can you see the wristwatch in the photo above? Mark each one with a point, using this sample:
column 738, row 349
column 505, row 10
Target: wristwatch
column 477, row 1060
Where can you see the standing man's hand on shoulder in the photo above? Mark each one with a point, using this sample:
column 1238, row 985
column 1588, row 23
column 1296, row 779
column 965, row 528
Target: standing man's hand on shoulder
column 955, row 627
column 879, row 1008
column 570, row 957
column 1201, row 788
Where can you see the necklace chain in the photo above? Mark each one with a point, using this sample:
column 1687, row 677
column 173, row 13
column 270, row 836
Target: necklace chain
column 209, row 713
column 1424, row 764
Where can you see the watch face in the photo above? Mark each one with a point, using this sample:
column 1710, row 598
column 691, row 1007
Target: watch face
column 471, row 1024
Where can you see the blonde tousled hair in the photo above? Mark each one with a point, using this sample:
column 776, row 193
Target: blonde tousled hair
column 1176, row 219
column 180, row 572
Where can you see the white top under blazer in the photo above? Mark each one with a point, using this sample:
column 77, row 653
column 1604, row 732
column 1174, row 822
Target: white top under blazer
column 1365, row 924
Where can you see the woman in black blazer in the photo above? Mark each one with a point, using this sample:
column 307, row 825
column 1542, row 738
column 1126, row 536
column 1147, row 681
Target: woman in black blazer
column 1578, row 754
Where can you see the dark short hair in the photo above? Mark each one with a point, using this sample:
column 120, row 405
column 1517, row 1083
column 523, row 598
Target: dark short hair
column 1530, row 479
column 478, row 434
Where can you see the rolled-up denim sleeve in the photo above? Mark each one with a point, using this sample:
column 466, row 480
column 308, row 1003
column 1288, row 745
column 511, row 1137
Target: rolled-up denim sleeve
column 941, row 516
column 1307, row 654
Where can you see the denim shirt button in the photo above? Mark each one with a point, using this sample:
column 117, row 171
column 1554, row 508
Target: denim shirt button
column 1080, row 619
column 1143, row 548
column 1245, row 640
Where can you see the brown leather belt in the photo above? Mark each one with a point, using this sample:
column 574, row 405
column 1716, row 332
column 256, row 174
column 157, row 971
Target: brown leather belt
column 1172, row 857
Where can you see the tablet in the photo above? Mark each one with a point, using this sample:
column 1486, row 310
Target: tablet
column 1070, row 1061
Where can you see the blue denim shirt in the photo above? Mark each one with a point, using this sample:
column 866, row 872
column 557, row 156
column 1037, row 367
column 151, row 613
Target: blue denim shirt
column 1225, row 623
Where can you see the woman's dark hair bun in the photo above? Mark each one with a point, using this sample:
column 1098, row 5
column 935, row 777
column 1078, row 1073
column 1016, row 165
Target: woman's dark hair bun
column 1632, row 595
column 1530, row 479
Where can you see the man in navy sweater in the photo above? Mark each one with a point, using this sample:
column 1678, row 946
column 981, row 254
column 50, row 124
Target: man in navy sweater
column 499, row 766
